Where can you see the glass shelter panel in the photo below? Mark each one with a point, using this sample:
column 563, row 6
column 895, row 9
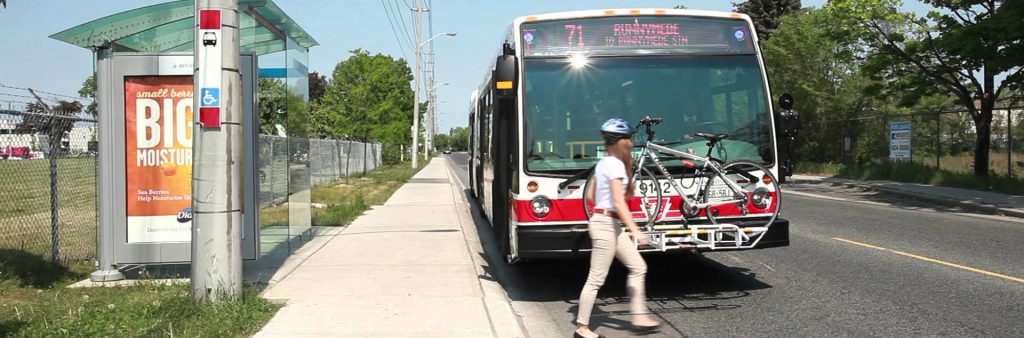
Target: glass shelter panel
column 297, row 83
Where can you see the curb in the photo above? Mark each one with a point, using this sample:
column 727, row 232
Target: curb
column 972, row 207
column 505, row 322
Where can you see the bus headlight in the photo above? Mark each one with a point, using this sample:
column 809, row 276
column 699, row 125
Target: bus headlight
column 540, row 206
column 761, row 198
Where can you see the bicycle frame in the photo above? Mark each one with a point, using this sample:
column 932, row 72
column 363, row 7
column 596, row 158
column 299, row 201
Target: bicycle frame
column 650, row 150
column 714, row 232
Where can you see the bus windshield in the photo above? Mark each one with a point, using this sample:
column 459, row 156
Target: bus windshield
column 567, row 99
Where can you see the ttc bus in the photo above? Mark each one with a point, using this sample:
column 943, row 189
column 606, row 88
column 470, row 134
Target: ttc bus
column 534, row 121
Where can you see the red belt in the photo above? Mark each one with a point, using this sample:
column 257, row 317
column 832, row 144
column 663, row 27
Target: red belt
column 606, row 212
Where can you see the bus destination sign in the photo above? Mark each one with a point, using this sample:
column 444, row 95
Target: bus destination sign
column 669, row 34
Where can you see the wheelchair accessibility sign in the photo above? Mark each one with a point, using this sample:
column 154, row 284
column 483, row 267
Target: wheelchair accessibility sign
column 210, row 97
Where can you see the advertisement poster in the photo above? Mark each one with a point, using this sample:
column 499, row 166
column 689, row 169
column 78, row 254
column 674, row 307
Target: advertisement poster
column 158, row 137
column 899, row 141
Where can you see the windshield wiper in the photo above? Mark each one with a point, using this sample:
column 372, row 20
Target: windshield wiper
column 579, row 175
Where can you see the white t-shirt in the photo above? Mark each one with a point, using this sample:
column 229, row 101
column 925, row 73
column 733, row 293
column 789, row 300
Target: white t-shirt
column 609, row 168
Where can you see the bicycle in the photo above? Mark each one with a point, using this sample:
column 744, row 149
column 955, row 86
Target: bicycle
column 742, row 184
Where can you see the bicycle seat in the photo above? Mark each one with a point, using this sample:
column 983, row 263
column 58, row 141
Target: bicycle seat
column 713, row 137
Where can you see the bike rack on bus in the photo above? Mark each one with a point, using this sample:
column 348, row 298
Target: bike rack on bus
column 714, row 236
column 658, row 242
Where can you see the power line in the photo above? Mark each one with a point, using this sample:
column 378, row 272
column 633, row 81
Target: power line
column 16, row 95
column 394, row 30
column 45, row 92
column 405, row 29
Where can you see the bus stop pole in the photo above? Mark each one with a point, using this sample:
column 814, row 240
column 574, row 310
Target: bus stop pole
column 217, row 152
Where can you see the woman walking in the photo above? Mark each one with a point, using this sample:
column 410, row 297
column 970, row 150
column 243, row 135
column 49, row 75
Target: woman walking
column 611, row 187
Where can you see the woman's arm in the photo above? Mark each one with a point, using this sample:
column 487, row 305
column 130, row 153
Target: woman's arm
column 618, row 196
column 590, row 190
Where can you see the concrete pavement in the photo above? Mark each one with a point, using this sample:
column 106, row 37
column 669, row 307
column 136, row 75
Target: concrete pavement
column 973, row 200
column 408, row 268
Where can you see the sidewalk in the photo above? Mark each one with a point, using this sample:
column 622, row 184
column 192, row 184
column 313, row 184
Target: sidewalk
column 402, row 269
column 972, row 200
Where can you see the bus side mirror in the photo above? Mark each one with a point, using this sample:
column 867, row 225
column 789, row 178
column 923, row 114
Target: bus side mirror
column 506, row 79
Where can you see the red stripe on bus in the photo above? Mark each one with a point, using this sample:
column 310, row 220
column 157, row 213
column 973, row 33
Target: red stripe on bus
column 567, row 210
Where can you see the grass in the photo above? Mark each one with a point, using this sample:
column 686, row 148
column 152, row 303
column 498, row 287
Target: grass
column 347, row 199
column 964, row 162
column 915, row 173
column 34, row 302
column 25, row 205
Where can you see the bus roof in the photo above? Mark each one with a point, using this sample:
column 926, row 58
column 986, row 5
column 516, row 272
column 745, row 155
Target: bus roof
column 597, row 13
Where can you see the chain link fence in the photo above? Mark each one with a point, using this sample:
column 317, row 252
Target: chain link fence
column 940, row 139
column 331, row 160
column 48, row 194
column 48, row 183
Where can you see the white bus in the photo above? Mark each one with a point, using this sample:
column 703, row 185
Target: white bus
column 534, row 121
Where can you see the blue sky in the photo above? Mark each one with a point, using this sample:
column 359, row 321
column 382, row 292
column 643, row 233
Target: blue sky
column 30, row 59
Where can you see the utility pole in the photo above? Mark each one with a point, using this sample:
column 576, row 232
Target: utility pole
column 432, row 86
column 416, row 93
column 217, row 154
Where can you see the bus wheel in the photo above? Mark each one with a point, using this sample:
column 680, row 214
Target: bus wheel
column 501, row 236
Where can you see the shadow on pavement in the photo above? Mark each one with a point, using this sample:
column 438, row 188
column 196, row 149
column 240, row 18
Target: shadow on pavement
column 672, row 278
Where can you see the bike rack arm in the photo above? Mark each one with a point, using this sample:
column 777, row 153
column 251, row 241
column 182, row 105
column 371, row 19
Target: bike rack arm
column 577, row 176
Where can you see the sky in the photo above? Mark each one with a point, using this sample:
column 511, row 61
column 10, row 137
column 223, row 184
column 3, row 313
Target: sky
column 29, row 58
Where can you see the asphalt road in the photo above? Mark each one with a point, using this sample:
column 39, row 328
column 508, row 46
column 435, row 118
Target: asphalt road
column 860, row 264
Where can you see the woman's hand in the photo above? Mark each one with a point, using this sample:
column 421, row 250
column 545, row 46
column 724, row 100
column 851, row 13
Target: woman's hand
column 641, row 238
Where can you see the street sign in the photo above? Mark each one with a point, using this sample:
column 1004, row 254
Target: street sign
column 900, row 141
column 210, row 97
column 209, row 56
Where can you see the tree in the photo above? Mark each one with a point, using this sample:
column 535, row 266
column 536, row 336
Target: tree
column 767, row 14
column 960, row 50
column 458, row 138
column 820, row 68
column 679, row 7
column 88, row 90
column 56, row 125
column 317, row 85
column 273, row 105
column 368, row 99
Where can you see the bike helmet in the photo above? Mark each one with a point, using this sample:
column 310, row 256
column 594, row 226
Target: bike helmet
column 616, row 128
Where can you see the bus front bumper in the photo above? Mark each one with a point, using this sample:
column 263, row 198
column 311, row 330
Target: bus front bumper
column 567, row 241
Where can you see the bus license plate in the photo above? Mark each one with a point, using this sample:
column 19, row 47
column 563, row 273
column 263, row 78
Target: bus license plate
column 719, row 191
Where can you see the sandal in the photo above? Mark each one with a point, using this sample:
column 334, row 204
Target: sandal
column 578, row 335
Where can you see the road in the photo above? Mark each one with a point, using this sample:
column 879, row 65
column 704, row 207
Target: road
column 860, row 264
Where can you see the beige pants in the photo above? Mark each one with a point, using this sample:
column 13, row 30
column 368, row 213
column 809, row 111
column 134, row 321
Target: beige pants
column 609, row 241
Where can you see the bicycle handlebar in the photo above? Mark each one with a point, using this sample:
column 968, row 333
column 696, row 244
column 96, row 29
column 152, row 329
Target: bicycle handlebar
column 649, row 121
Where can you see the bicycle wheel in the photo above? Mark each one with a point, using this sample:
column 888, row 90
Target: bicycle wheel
column 647, row 189
column 759, row 191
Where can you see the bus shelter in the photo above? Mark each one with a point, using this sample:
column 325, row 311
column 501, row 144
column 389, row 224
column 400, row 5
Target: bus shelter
column 143, row 67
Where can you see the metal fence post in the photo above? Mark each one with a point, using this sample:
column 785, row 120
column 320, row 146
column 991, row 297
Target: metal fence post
column 54, row 199
column 1009, row 142
column 348, row 161
column 337, row 144
column 364, row 158
column 938, row 140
